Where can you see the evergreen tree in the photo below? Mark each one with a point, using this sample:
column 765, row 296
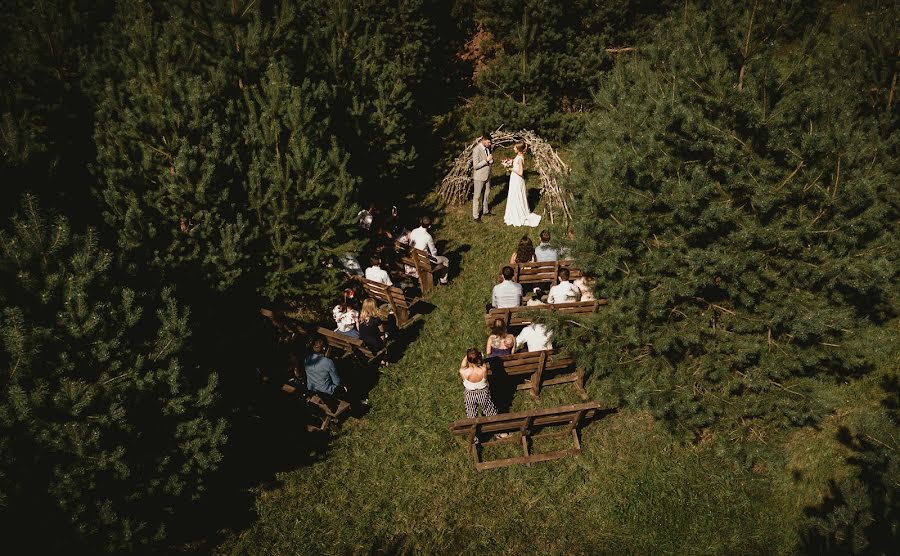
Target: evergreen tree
column 104, row 433
column 731, row 196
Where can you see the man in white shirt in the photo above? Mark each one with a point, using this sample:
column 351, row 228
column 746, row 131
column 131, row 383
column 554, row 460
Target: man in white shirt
column 376, row 274
column 420, row 238
column 565, row 291
column 507, row 293
column 544, row 252
column 536, row 337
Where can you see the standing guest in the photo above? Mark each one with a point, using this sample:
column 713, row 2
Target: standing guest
column 507, row 293
column 474, row 371
column 524, row 252
column 500, row 342
column 482, row 159
column 544, row 253
column 392, row 226
column 321, row 376
column 376, row 274
column 536, row 337
column 371, row 327
column 366, row 216
column 564, row 291
column 345, row 315
column 420, row 238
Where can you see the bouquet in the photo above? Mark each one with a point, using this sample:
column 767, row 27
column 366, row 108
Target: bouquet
column 507, row 163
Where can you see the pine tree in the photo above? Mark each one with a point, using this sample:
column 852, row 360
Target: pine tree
column 104, row 433
column 732, row 196
column 298, row 189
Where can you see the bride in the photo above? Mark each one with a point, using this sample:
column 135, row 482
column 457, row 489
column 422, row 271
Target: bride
column 517, row 211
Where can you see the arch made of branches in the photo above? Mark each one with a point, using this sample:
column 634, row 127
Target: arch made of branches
column 457, row 185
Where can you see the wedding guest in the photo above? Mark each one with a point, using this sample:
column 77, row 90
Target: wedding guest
column 500, row 342
column 564, row 291
column 585, row 286
column 321, row 375
column 507, row 293
column 345, row 315
column 420, row 238
column 524, row 252
column 376, row 274
column 392, row 225
column 408, row 269
column 366, row 216
column 544, row 253
column 474, row 371
column 351, row 265
column 535, row 298
column 536, row 337
column 371, row 327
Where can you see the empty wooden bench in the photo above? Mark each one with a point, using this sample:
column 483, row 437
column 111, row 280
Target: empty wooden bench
column 426, row 266
column 330, row 409
column 541, row 273
column 400, row 303
column 520, row 316
column 524, row 427
column 536, row 366
column 344, row 346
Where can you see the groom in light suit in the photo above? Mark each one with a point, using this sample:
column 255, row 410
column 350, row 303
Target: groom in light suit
column 481, row 173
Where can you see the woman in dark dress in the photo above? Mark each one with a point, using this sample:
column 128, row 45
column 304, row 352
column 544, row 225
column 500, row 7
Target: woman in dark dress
column 371, row 327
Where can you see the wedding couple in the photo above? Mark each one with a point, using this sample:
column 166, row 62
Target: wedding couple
column 517, row 211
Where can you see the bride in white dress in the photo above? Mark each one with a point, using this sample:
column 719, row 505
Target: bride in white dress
column 517, row 211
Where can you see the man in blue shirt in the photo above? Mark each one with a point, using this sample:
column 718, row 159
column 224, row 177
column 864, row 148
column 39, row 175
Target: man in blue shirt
column 543, row 253
column 507, row 293
column 321, row 376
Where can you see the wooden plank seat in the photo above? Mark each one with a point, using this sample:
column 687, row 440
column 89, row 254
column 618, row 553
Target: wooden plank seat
column 426, row 266
column 541, row 273
column 535, row 366
column 524, row 427
column 400, row 303
column 520, row 316
column 343, row 346
column 325, row 410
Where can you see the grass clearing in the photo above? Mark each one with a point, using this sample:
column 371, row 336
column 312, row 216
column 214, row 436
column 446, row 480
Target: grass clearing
column 396, row 481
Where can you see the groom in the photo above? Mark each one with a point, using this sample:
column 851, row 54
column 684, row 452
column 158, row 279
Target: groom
column 481, row 173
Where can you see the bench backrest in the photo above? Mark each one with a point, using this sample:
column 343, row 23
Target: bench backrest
column 348, row 344
column 386, row 294
column 570, row 415
column 518, row 316
column 527, row 362
column 536, row 273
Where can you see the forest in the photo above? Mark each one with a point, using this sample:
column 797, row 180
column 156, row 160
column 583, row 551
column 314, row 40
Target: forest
column 171, row 168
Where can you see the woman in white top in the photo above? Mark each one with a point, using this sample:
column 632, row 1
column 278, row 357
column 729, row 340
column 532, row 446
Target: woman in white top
column 517, row 211
column 474, row 371
column 345, row 316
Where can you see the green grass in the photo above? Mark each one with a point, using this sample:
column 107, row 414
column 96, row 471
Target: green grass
column 396, row 481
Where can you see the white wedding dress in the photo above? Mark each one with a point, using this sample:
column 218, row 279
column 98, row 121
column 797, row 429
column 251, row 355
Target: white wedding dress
column 517, row 211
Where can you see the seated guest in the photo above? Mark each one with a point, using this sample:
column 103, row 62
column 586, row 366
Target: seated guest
column 321, row 376
column 536, row 337
column 408, row 269
column 585, row 286
column 565, row 291
column 507, row 293
column 371, row 327
column 345, row 315
column 544, row 253
column 524, row 252
column 535, row 298
column 500, row 342
column 351, row 265
column 376, row 274
column 420, row 238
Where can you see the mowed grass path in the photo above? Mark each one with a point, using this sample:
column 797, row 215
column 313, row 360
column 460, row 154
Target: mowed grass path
column 396, row 481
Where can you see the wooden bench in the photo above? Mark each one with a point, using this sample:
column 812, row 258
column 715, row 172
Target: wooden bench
column 399, row 302
column 329, row 407
column 541, row 273
column 426, row 265
column 522, row 427
column 520, row 316
column 535, row 365
column 348, row 346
